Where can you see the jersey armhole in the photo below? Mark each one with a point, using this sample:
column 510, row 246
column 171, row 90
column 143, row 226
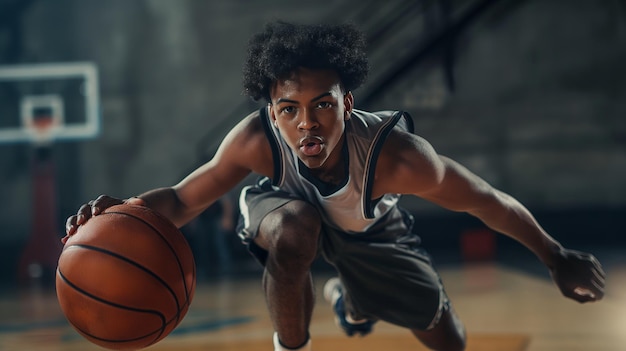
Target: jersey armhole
column 370, row 169
column 273, row 140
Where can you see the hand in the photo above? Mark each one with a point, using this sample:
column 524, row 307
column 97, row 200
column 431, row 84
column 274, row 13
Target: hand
column 94, row 208
column 578, row 275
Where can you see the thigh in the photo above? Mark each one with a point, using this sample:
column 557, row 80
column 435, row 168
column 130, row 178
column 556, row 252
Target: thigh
column 292, row 228
column 387, row 280
column 277, row 221
column 255, row 203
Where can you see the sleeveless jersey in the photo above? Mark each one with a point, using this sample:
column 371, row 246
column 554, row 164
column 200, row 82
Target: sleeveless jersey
column 349, row 206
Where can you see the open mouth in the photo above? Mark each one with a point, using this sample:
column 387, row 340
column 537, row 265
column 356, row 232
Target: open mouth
column 311, row 146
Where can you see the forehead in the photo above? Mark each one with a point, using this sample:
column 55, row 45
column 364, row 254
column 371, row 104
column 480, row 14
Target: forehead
column 304, row 81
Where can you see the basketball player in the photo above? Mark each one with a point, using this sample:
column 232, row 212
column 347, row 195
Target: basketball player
column 331, row 179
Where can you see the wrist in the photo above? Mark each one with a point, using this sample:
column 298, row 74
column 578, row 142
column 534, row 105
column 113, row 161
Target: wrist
column 552, row 253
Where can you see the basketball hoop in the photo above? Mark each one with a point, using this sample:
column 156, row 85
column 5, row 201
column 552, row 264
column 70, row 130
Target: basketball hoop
column 65, row 92
column 42, row 129
column 48, row 102
column 42, row 115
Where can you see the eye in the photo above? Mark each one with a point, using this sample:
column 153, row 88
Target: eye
column 324, row 105
column 288, row 109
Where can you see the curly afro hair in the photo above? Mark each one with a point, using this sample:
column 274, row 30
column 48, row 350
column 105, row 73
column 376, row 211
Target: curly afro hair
column 284, row 47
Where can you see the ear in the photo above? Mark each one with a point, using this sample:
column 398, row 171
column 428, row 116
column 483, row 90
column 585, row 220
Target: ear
column 270, row 107
column 348, row 103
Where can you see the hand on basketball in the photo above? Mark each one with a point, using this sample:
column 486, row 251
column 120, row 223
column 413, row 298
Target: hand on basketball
column 578, row 275
column 94, row 208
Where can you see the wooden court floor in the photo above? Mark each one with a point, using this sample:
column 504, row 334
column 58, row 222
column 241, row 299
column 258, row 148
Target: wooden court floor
column 504, row 309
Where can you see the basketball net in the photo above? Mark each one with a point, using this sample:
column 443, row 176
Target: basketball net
column 42, row 130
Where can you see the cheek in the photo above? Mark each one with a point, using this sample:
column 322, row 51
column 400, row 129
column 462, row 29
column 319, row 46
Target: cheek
column 291, row 139
column 336, row 133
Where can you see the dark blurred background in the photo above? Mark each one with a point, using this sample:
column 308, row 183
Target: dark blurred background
column 529, row 94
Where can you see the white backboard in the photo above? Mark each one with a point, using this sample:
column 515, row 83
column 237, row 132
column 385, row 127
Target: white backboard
column 68, row 92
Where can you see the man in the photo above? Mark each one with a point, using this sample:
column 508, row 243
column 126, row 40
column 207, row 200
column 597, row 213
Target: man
column 331, row 179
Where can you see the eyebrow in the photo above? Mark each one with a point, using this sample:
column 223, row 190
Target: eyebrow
column 295, row 102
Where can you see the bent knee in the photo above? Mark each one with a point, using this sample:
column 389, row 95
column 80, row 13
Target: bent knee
column 291, row 232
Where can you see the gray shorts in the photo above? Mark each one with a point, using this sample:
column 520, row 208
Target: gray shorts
column 385, row 274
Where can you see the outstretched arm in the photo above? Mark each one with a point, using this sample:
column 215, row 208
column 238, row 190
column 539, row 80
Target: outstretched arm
column 415, row 168
column 244, row 150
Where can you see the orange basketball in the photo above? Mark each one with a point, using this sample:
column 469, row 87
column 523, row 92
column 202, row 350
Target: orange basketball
column 126, row 279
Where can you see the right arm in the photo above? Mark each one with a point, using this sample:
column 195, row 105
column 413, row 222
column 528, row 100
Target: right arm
column 245, row 149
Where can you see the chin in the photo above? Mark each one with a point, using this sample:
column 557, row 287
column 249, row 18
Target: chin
column 312, row 162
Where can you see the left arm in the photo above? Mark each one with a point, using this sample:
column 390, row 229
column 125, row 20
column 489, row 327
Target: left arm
column 409, row 165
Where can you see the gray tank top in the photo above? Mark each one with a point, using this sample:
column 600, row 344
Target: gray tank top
column 348, row 206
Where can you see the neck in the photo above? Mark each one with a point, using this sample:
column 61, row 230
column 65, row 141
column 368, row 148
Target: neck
column 335, row 169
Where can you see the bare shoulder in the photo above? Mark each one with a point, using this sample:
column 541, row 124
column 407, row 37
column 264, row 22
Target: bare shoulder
column 407, row 164
column 247, row 144
column 244, row 150
column 249, row 127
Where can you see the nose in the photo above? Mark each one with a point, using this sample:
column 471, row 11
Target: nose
column 308, row 120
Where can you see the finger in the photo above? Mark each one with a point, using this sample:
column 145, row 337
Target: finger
column 600, row 270
column 103, row 202
column 598, row 276
column 70, row 226
column 135, row 201
column 84, row 213
column 596, row 266
column 595, row 261
column 582, row 295
column 592, row 293
column 98, row 205
column 598, row 290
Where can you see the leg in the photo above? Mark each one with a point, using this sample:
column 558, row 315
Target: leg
column 290, row 235
column 447, row 335
column 333, row 293
column 389, row 294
